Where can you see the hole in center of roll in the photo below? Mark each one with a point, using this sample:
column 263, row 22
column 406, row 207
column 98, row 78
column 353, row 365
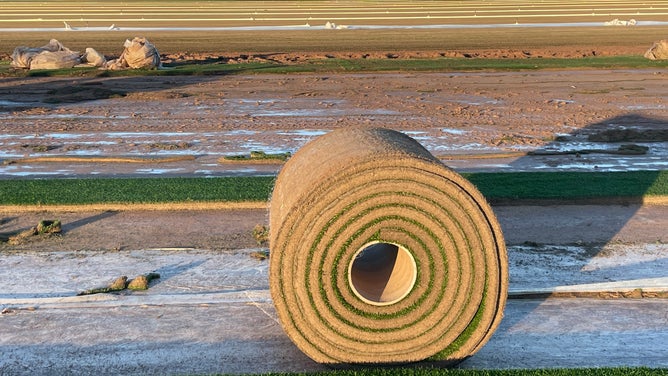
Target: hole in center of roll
column 382, row 273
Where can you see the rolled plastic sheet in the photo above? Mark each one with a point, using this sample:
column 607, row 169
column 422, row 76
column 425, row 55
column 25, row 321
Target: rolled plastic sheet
column 380, row 254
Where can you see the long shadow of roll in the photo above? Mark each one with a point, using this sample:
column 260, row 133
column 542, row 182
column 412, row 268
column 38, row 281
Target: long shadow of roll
column 623, row 145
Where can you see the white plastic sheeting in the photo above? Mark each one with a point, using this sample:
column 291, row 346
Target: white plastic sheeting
column 138, row 53
column 658, row 51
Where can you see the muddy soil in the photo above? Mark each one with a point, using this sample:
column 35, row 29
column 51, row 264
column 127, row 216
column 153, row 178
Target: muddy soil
column 229, row 230
column 564, row 115
column 459, row 116
column 493, row 53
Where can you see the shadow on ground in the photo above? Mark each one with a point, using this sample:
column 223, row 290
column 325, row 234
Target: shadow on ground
column 594, row 148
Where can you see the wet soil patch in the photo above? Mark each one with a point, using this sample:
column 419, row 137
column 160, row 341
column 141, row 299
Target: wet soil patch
column 630, row 135
column 74, row 94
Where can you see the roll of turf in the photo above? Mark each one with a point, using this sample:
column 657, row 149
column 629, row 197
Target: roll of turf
column 381, row 254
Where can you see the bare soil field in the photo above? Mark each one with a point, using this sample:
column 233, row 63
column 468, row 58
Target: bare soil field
column 299, row 45
column 474, row 120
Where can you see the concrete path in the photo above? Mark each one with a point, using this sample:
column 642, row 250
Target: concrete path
column 212, row 313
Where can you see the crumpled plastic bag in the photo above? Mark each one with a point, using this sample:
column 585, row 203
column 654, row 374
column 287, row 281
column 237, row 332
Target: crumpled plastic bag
column 93, row 58
column 50, row 56
column 138, row 53
column 55, row 60
column 658, row 51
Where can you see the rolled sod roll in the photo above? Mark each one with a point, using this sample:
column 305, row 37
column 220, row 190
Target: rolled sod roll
column 381, row 254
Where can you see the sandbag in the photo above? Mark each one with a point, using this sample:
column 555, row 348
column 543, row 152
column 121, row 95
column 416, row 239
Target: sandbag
column 138, row 53
column 382, row 254
column 658, row 51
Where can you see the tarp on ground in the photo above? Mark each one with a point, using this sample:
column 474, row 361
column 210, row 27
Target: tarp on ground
column 50, row 56
column 138, row 53
column 658, row 51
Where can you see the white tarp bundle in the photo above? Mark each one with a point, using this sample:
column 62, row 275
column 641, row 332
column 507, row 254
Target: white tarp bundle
column 618, row 22
column 658, row 51
column 138, row 53
column 93, row 58
column 51, row 56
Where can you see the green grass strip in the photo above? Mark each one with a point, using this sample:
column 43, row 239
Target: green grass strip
column 133, row 190
column 358, row 65
column 416, row 371
column 494, row 186
column 570, row 185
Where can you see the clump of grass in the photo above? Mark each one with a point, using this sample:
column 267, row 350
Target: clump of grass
column 39, row 148
column 142, row 281
column 261, row 234
column 260, row 255
column 121, row 283
column 47, row 227
column 168, row 146
column 258, row 156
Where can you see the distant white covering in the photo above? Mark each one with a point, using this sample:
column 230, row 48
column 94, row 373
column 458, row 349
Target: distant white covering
column 618, row 22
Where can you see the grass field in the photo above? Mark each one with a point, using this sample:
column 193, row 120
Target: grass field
column 497, row 187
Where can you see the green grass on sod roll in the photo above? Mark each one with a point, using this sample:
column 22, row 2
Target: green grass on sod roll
column 494, row 186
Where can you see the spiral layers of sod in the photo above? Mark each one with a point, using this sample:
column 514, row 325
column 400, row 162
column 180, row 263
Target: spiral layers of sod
column 354, row 188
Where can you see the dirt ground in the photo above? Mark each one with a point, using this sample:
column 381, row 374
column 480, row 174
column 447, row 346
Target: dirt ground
column 455, row 115
column 230, row 230
column 464, row 116
column 493, row 53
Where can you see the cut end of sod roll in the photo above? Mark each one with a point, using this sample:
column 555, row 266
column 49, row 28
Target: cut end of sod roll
column 381, row 254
